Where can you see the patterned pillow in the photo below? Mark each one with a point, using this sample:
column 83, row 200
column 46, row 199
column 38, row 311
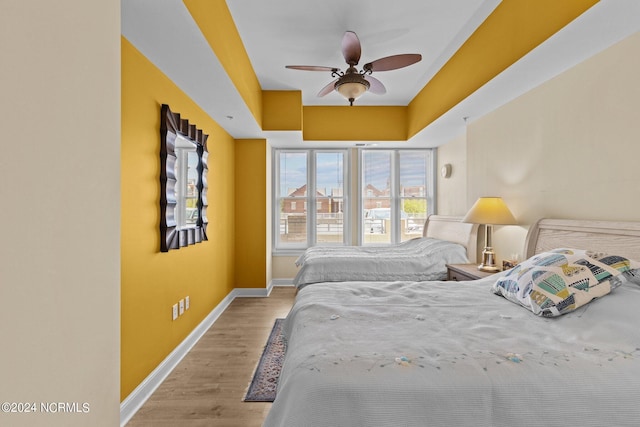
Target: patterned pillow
column 633, row 275
column 557, row 282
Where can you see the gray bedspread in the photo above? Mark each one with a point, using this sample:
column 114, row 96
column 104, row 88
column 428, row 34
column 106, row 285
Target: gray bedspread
column 416, row 260
column 443, row 354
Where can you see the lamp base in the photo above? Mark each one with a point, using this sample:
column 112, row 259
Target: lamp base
column 488, row 261
column 488, row 268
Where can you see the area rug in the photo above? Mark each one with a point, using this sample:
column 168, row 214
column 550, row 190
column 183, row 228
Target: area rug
column 265, row 378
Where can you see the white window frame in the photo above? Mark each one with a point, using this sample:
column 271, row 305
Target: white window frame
column 310, row 204
column 395, row 191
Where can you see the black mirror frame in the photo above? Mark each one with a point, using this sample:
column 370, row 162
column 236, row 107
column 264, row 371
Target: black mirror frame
column 170, row 236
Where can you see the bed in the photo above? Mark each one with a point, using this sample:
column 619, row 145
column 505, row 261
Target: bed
column 456, row 354
column 445, row 240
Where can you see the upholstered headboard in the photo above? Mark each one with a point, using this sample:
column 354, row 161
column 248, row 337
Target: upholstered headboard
column 614, row 237
column 452, row 229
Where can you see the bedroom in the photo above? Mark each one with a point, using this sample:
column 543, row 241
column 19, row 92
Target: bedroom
column 582, row 112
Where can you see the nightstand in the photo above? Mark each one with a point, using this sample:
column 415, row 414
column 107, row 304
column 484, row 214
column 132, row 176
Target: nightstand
column 463, row 272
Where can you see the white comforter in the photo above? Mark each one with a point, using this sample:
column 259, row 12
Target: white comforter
column 453, row 355
column 417, row 259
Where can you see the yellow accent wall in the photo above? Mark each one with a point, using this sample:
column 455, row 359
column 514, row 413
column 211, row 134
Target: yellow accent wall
column 513, row 29
column 250, row 213
column 358, row 123
column 217, row 26
column 151, row 281
column 282, row 110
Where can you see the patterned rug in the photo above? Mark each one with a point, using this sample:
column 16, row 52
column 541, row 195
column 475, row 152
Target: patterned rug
column 265, row 378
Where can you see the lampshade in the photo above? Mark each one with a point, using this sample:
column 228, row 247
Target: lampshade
column 489, row 210
column 352, row 86
column 351, row 90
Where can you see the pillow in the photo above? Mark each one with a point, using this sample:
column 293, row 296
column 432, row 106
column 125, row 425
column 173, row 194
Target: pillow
column 559, row 281
column 633, row 275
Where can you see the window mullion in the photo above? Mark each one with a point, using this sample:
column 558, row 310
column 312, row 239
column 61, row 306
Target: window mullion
column 311, row 198
column 395, row 197
column 346, row 200
column 431, row 187
column 359, row 205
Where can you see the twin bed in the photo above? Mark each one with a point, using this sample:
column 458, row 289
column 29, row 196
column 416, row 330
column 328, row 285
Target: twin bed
column 415, row 353
column 445, row 240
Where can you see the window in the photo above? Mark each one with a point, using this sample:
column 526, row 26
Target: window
column 397, row 194
column 329, row 182
column 376, row 181
column 314, row 179
column 413, row 192
column 312, row 203
column 292, row 193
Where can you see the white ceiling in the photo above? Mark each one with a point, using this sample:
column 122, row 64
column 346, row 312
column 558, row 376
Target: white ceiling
column 285, row 32
column 309, row 32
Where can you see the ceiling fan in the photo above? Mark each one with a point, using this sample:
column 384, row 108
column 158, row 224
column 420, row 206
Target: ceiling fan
column 353, row 83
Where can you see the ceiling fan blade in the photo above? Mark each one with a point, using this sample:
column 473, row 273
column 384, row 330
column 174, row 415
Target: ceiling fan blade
column 328, row 88
column 393, row 62
column 351, row 48
column 311, row 68
column 375, row 85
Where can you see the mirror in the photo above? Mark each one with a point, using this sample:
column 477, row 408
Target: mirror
column 183, row 184
column 186, row 168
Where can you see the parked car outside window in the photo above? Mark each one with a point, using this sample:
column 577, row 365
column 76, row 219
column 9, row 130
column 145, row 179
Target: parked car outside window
column 374, row 219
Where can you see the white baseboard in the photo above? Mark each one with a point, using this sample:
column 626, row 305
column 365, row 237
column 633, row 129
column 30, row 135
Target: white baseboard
column 282, row 282
column 132, row 403
column 261, row 292
column 252, row 292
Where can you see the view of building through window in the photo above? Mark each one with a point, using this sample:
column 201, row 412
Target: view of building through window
column 313, row 200
column 292, row 198
column 394, row 194
column 329, row 196
column 311, row 197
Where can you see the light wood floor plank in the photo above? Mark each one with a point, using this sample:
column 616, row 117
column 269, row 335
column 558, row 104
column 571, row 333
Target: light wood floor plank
column 207, row 387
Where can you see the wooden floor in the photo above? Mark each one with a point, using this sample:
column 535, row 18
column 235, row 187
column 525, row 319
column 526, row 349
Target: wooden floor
column 207, row 387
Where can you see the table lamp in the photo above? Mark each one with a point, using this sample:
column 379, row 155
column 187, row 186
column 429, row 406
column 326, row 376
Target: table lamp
column 489, row 211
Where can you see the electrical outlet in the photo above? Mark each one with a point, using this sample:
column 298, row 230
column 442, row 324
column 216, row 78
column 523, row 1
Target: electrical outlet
column 174, row 311
column 181, row 307
column 186, row 302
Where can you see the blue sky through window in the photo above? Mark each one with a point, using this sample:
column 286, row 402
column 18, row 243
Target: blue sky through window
column 330, row 169
column 293, row 171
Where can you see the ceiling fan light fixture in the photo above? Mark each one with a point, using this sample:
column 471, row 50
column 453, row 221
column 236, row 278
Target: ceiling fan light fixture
column 352, row 83
column 352, row 86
